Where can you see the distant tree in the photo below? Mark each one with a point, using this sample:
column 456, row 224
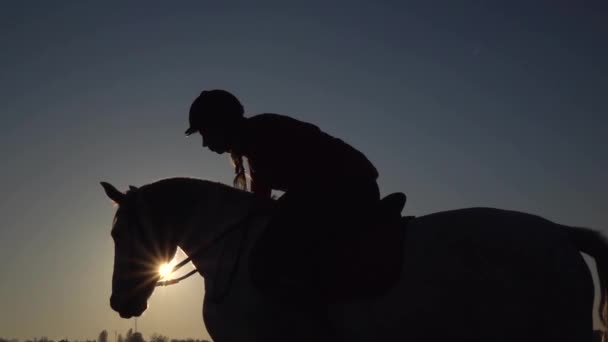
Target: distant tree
column 129, row 335
column 137, row 337
column 119, row 338
column 103, row 336
column 158, row 338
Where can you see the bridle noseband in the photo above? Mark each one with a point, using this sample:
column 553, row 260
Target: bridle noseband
column 173, row 270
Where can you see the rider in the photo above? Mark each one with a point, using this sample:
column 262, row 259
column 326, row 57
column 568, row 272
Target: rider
column 325, row 181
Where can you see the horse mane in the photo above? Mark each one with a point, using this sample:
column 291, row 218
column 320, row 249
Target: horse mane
column 192, row 188
column 171, row 199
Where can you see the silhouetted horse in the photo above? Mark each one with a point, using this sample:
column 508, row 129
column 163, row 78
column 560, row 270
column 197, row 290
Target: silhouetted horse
column 476, row 274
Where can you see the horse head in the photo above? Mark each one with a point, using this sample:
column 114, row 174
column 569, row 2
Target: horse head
column 139, row 250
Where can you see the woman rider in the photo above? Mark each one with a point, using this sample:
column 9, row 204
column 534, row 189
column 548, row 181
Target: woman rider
column 329, row 186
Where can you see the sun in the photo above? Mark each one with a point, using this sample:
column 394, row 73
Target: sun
column 165, row 269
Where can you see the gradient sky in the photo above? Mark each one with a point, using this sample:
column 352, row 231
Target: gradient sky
column 458, row 103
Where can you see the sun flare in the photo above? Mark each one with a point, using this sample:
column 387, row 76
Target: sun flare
column 165, row 269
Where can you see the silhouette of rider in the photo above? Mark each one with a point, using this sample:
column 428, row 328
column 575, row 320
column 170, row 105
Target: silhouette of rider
column 329, row 186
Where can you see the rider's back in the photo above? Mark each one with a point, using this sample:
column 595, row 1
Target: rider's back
column 288, row 153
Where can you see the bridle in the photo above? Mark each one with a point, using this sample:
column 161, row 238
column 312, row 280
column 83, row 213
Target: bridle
column 173, row 270
column 237, row 226
column 139, row 222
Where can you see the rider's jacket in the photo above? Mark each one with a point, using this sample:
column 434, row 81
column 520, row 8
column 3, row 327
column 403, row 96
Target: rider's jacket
column 285, row 153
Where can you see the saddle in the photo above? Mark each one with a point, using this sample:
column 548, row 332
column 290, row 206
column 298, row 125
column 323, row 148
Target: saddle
column 363, row 261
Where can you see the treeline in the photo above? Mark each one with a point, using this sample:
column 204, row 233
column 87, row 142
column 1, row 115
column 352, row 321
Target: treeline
column 42, row 339
column 130, row 336
column 138, row 337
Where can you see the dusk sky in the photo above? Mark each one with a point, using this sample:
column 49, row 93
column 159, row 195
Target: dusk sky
column 457, row 103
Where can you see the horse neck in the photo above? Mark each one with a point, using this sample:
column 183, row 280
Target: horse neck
column 220, row 209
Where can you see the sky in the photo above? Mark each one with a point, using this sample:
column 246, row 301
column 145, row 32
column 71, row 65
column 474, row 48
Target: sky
column 457, row 103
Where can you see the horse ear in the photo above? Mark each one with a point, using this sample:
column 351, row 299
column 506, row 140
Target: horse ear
column 133, row 188
column 114, row 194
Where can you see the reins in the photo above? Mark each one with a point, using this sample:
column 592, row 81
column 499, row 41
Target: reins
column 201, row 251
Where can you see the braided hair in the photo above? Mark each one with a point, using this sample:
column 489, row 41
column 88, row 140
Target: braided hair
column 240, row 180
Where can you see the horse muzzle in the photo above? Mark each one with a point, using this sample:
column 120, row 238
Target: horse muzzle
column 127, row 308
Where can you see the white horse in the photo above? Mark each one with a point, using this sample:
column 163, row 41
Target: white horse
column 477, row 274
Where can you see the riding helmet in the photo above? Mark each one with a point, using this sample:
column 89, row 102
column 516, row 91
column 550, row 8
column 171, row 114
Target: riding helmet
column 214, row 107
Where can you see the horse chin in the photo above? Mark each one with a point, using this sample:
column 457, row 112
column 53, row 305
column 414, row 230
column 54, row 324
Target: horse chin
column 128, row 309
column 132, row 310
column 132, row 313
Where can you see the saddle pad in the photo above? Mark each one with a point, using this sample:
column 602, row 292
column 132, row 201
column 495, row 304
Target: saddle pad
column 367, row 263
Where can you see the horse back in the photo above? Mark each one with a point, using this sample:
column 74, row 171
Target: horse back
column 483, row 267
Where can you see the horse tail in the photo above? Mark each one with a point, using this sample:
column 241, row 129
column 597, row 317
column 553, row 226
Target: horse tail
column 594, row 244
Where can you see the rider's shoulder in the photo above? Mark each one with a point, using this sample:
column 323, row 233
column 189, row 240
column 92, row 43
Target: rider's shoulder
column 268, row 118
column 264, row 120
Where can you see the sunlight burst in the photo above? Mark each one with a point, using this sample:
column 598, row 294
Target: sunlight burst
column 165, row 269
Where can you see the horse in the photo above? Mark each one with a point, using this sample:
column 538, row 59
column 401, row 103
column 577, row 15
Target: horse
column 473, row 274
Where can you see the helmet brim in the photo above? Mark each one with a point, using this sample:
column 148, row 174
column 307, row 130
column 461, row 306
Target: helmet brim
column 191, row 131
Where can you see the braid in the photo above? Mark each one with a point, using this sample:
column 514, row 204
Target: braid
column 240, row 180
